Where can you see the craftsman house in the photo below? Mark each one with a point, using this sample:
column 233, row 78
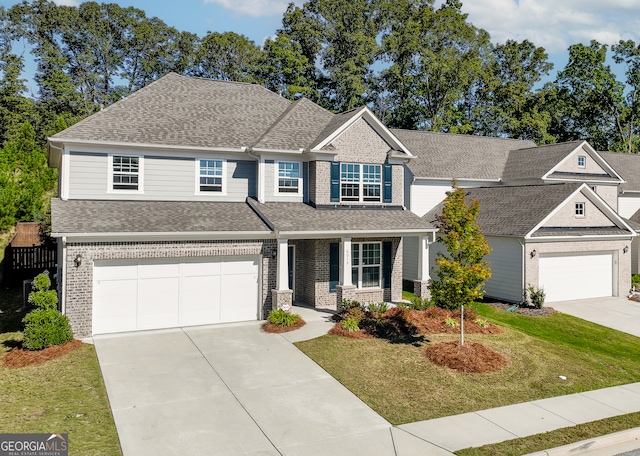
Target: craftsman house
column 196, row 201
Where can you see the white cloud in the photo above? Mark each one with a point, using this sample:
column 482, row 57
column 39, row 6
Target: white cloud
column 556, row 24
column 67, row 2
column 255, row 8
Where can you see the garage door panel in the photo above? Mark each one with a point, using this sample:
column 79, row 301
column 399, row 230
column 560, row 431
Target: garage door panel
column 158, row 302
column 576, row 276
column 200, row 300
column 199, row 267
column 115, row 309
column 154, row 270
column 113, row 271
column 239, row 267
column 238, row 298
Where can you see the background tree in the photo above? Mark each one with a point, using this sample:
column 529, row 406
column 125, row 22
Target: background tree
column 461, row 272
column 627, row 53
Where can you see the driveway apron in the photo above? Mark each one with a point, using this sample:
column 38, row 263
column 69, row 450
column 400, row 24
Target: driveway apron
column 617, row 313
column 231, row 390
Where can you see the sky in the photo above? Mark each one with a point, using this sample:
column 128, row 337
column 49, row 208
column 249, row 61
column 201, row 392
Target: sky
column 552, row 24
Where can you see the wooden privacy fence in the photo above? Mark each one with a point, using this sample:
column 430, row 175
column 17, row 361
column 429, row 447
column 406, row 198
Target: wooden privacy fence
column 22, row 263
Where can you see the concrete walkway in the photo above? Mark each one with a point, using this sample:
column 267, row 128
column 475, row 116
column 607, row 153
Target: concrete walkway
column 234, row 390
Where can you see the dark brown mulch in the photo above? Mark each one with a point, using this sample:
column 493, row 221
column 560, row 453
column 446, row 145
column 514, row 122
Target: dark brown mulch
column 273, row 328
column 20, row 357
column 338, row 330
column 529, row 311
column 470, row 357
column 432, row 321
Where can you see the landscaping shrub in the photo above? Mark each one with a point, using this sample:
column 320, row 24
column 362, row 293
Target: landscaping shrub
column 282, row 318
column 536, row 296
column 350, row 324
column 377, row 307
column 45, row 326
column 452, row 322
column 482, row 322
column 635, row 280
column 418, row 303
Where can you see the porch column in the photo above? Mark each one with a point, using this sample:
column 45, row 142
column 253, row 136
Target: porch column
column 282, row 296
column 421, row 285
column 345, row 264
column 283, row 264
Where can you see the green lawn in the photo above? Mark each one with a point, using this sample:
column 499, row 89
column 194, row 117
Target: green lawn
column 398, row 382
column 65, row 395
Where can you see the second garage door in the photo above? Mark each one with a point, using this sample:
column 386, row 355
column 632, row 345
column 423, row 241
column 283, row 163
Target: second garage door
column 576, row 276
column 131, row 295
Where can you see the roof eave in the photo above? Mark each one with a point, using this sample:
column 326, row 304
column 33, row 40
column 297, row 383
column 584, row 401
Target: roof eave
column 162, row 236
column 80, row 142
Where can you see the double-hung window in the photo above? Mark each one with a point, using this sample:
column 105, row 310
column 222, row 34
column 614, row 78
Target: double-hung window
column 126, row 172
column 211, row 175
column 361, row 183
column 366, row 264
column 288, row 177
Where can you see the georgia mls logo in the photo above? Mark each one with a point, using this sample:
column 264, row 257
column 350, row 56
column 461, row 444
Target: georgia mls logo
column 34, row 445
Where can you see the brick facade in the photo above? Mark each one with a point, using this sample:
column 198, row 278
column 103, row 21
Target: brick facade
column 79, row 280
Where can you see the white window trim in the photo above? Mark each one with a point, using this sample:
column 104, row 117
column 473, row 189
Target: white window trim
column 361, row 183
column 276, row 174
column 584, row 159
column 110, row 188
column 584, row 210
column 224, row 177
column 360, row 266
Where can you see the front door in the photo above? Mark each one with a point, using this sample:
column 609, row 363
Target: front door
column 292, row 262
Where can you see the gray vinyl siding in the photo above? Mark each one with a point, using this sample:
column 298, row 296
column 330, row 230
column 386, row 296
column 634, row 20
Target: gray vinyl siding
column 164, row 179
column 635, row 252
column 270, row 192
column 506, row 266
column 410, row 258
column 88, row 176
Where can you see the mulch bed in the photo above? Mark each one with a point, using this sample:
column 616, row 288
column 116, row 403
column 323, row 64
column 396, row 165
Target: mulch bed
column 273, row 328
column 338, row 330
column 530, row 311
column 432, row 321
column 20, row 357
column 470, row 357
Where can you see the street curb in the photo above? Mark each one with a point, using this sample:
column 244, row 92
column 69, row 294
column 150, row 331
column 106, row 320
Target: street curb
column 591, row 444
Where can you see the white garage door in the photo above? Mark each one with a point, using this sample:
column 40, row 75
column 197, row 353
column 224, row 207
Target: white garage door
column 129, row 295
column 576, row 276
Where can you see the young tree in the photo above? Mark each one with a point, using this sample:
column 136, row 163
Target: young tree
column 462, row 272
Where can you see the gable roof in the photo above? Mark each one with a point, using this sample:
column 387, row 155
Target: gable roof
column 627, row 166
column 449, row 156
column 520, row 210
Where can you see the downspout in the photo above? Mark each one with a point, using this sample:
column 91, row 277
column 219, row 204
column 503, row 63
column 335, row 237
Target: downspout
column 62, row 279
column 524, row 275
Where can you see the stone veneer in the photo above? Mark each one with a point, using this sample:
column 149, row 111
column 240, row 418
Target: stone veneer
column 79, row 280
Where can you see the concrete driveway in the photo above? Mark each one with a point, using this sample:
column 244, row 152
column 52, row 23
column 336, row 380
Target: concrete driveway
column 234, row 390
column 614, row 312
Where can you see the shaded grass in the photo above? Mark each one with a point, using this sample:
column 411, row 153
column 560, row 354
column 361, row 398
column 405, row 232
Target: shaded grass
column 399, row 383
column 556, row 438
column 64, row 395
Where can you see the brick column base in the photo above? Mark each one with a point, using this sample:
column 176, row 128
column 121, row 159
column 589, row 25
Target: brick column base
column 282, row 298
column 345, row 293
column 421, row 289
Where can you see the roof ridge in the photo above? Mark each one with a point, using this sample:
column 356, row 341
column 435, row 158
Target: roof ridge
column 460, row 135
column 280, row 118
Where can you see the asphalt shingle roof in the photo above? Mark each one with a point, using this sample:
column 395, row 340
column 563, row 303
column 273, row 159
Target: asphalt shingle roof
column 297, row 128
column 514, row 211
column 90, row 216
column 533, row 163
column 444, row 155
column 185, row 111
column 299, row 217
column 627, row 166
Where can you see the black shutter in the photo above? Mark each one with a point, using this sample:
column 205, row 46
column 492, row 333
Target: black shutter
column 334, row 265
column 387, row 181
column 386, row 264
column 335, row 182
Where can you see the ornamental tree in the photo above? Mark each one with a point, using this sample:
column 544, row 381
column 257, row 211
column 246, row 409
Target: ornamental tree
column 461, row 272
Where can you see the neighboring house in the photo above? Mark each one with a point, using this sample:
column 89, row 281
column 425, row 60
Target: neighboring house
column 196, row 201
column 561, row 237
column 542, row 235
